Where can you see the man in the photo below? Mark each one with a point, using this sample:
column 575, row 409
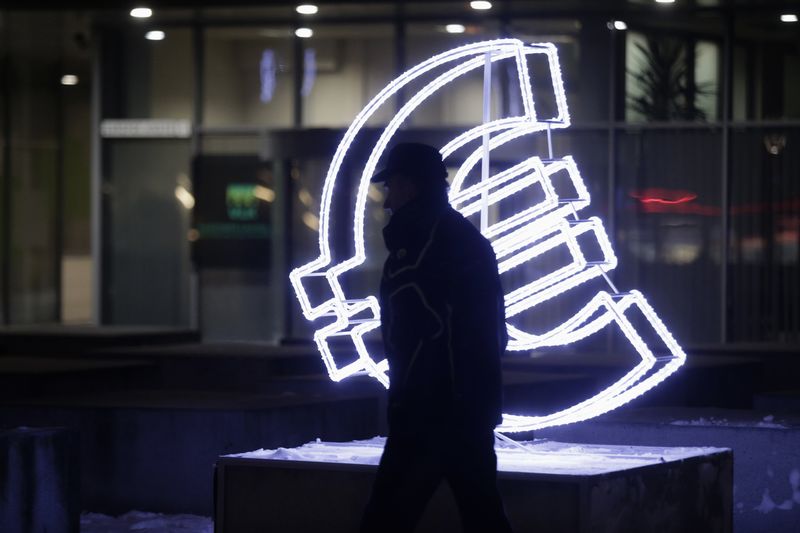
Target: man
column 443, row 325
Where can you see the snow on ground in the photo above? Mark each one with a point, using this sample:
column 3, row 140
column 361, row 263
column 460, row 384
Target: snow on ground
column 768, row 505
column 767, row 422
column 539, row 456
column 141, row 522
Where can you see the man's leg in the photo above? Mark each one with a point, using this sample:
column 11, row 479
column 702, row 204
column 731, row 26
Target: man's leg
column 407, row 476
column 472, row 476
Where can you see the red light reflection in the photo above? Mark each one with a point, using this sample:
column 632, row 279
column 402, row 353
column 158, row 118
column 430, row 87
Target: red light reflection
column 655, row 200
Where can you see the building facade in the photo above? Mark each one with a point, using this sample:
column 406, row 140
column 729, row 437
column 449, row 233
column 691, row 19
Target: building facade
column 166, row 170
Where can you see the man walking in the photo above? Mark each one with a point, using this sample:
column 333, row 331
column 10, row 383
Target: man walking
column 443, row 325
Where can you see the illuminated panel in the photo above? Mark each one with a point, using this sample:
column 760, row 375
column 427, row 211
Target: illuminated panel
column 549, row 224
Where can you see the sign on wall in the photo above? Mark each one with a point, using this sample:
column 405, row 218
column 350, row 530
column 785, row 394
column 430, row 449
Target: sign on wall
column 145, row 128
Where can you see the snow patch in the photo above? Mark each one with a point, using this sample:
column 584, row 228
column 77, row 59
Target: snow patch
column 539, row 456
column 146, row 523
column 767, row 422
column 768, row 505
column 786, row 506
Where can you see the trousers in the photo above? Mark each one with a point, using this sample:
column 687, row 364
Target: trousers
column 417, row 458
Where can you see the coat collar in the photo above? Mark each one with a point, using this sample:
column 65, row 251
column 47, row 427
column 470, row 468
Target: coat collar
column 412, row 223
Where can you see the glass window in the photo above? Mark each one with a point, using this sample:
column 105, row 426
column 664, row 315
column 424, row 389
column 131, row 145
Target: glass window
column 306, row 176
column 33, row 98
column 456, row 10
column 237, row 244
column 248, row 77
column 766, row 68
column 76, row 260
column 668, row 237
column 385, row 10
column 44, row 230
column 584, row 49
column 670, row 78
column 146, row 237
column 666, row 206
column 146, row 78
column 146, row 187
column 248, row 13
column 765, row 198
column 172, row 75
column 239, row 143
column 460, row 102
column 765, row 234
column 344, row 67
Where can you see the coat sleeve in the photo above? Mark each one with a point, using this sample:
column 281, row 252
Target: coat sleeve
column 477, row 329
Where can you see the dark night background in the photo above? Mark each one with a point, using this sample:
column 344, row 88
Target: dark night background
column 156, row 192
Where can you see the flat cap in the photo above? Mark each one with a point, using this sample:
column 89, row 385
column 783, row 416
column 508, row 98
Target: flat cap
column 419, row 162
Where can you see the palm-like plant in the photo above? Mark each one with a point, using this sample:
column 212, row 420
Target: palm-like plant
column 668, row 92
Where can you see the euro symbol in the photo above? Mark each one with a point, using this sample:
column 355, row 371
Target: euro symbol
column 552, row 221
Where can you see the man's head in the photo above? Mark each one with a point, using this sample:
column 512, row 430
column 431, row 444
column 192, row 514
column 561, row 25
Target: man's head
column 412, row 170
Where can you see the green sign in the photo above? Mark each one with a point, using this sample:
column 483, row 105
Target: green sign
column 241, row 201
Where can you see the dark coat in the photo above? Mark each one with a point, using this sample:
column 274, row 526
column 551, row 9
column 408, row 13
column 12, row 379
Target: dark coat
column 442, row 317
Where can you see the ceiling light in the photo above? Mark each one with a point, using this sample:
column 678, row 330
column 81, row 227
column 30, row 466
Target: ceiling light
column 617, row 25
column 304, row 33
column 69, row 79
column 480, row 5
column 788, row 17
column 665, row 1
column 155, row 35
column 455, row 28
column 141, row 12
column 307, row 9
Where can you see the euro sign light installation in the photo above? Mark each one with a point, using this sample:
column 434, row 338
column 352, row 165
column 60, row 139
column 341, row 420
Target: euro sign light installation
column 551, row 222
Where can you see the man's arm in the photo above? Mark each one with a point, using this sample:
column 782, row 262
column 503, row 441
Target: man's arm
column 477, row 329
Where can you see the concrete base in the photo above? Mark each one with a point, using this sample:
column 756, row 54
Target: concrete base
column 551, row 487
column 766, row 446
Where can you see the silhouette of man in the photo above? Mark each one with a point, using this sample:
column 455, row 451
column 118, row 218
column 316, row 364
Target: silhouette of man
column 443, row 325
